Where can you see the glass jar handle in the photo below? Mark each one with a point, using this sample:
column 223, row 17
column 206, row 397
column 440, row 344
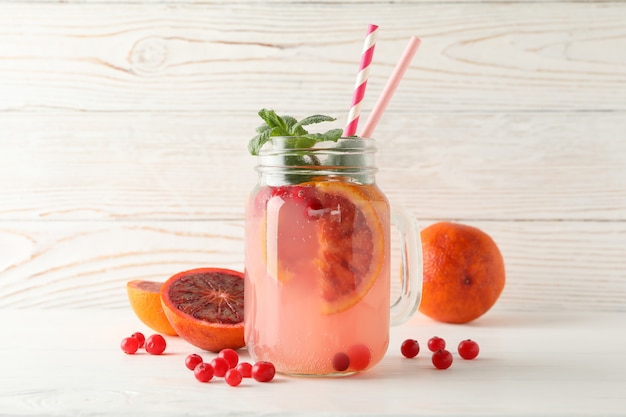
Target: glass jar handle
column 410, row 266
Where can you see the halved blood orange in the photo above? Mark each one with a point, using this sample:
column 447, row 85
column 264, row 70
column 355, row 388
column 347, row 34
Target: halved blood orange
column 145, row 299
column 351, row 241
column 205, row 307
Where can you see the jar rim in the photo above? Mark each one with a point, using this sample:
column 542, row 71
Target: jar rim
column 351, row 144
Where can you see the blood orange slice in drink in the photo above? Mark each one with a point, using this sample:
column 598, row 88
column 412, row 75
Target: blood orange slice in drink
column 351, row 242
column 205, row 307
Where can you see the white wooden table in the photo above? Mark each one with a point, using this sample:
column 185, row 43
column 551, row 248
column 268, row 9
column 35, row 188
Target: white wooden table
column 68, row 362
column 123, row 132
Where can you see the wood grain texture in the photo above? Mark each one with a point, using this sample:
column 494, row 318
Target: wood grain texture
column 123, row 128
column 86, row 264
column 192, row 166
column 211, row 57
column 551, row 266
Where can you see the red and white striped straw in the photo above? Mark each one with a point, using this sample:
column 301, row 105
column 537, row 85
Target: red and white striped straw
column 390, row 87
column 361, row 81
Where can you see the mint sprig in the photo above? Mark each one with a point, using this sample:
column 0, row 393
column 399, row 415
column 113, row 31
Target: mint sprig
column 276, row 125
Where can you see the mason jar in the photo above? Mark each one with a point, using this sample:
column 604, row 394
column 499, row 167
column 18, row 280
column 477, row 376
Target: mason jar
column 318, row 259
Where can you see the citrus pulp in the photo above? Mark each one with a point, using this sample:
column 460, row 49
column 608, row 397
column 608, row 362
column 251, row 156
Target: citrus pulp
column 351, row 243
column 205, row 307
column 347, row 232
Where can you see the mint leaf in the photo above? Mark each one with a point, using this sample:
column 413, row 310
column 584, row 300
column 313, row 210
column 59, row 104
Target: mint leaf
column 276, row 125
column 274, row 121
column 332, row 135
column 317, row 118
column 262, row 128
column 257, row 142
column 304, row 142
column 289, row 121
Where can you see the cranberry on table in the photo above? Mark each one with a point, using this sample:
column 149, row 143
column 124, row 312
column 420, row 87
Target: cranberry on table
column 468, row 349
column 442, row 359
column 155, row 344
column 129, row 345
column 220, row 366
column 233, row 377
column 245, row 369
column 140, row 338
column 263, row 371
column 203, row 372
column 231, row 356
column 410, row 348
column 192, row 360
column 436, row 343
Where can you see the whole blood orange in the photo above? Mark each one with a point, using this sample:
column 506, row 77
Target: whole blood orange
column 463, row 272
column 205, row 307
column 145, row 299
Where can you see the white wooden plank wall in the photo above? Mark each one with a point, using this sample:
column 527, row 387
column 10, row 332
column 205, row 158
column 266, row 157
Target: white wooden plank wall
column 123, row 132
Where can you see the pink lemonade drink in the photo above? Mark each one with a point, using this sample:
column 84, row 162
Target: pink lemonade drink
column 317, row 278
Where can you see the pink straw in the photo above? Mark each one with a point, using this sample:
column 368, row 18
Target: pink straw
column 361, row 80
column 391, row 86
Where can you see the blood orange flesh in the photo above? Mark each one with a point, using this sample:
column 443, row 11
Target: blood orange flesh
column 351, row 243
column 330, row 229
column 205, row 307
